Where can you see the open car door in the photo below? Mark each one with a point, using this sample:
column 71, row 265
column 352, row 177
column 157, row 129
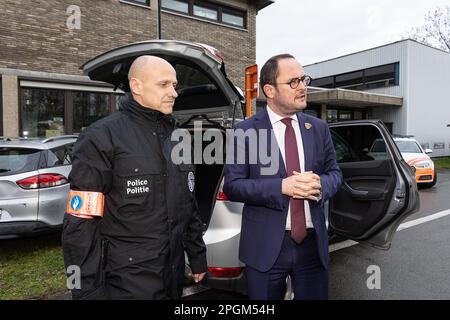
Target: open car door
column 377, row 193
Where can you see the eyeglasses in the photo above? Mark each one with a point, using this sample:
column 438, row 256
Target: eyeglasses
column 306, row 80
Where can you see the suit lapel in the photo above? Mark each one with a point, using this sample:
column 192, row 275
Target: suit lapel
column 263, row 122
column 308, row 141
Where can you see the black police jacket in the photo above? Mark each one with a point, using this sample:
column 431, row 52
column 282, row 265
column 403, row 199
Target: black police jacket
column 150, row 215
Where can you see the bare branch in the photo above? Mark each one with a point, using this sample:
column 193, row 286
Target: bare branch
column 436, row 31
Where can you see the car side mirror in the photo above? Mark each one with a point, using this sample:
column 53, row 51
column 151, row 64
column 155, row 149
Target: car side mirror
column 365, row 150
column 428, row 151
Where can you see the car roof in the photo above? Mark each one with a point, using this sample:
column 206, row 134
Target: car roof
column 37, row 143
column 404, row 139
column 400, row 137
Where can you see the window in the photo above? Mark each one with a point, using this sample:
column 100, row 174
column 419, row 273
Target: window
column 176, row 5
column 378, row 146
column 42, row 112
column 235, row 19
column 358, row 143
column 327, row 82
column 345, row 115
column 383, row 76
column 370, row 78
column 208, row 11
column 332, row 115
column 60, row 156
column 349, row 79
column 408, row 146
column 52, row 112
column 88, row 107
column 18, row 160
column 141, row 2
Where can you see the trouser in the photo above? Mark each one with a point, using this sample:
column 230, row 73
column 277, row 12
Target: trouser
column 300, row 261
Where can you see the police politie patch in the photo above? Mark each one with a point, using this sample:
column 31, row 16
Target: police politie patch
column 136, row 187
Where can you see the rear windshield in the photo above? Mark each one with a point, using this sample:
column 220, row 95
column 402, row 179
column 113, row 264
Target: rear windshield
column 18, row 160
column 196, row 90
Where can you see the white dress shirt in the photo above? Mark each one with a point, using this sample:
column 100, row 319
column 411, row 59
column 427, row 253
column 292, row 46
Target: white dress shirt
column 279, row 130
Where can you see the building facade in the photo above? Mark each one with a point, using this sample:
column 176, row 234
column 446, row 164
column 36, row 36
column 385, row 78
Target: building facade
column 44, row 43
column 405, row 84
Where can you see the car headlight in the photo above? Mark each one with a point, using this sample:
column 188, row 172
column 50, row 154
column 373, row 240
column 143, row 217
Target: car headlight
column 427, row 164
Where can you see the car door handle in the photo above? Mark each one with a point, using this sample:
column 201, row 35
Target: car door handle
column 362, row 194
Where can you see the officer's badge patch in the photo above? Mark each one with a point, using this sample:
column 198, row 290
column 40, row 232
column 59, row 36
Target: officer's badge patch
column 191, row 181
column 136, row 187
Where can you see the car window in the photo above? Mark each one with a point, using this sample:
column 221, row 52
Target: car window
column 408, row 146
column 60, row 156
column 344, row 152
column 18, row 160
column 355, row 143
column 378, row 146
column 196, row 90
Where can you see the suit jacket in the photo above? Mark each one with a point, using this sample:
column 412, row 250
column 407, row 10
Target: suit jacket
column 265, row 210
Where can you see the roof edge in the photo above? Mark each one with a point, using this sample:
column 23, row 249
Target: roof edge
column 376, row 47
column 261, row 4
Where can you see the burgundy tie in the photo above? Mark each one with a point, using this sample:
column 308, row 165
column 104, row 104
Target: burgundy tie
column 298, row 223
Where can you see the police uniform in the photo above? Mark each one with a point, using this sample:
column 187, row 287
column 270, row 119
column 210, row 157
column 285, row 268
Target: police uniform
column 136, row 251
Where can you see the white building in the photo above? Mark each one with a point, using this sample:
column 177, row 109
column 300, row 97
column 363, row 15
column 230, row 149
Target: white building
column 405, row 84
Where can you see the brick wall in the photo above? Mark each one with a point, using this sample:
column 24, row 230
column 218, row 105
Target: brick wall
column 34, row 34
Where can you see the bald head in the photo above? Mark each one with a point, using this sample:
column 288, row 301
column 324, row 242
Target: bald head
column 144, row 65
column 152, row 83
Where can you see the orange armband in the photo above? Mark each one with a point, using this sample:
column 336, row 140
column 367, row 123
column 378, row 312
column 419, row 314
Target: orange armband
column 85, row 204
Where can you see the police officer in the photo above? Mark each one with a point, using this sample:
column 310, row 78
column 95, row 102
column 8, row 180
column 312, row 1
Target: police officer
column 150, row 216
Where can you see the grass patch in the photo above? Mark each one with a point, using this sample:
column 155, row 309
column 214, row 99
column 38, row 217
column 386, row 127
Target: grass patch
column 442, row 163
column 31, row 268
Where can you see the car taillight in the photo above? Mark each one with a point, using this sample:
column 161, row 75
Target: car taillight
column 220, row 272
column 212, row 52
column 42, row 181
column 220, row 195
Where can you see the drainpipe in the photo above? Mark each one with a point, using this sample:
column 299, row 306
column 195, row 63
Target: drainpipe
column 159, row 19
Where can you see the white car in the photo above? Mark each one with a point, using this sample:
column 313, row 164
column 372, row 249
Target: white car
column 414, row 155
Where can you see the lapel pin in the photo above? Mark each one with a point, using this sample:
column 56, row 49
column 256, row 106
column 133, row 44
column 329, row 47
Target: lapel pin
column 308, row 125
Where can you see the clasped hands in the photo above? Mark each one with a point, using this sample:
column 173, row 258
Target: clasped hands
column 302, row 185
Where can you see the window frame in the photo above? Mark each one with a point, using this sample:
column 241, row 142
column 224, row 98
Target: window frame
column 137, row 2
column 219, row 7
column 364, row 84
column 67, row 152
column 68, row 96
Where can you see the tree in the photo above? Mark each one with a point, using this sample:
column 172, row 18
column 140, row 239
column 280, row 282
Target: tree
column 436, row 31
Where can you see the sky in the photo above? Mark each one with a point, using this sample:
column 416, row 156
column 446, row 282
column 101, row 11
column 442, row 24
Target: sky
column 316, row 30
